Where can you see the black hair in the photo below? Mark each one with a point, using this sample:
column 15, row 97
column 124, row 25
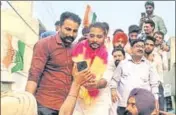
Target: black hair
column 118, row 49
column 136, row 41
column 160, row 33
column 134, row 28
column 150, row 38
column 106, row 26
column 98, row 25
column 150, row 3
column 151, row 22
column 57, row 23
column 69, row 15
column 85, row 30
column 117, row 30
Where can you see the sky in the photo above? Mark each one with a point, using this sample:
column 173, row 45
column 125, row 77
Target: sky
column 118, row 14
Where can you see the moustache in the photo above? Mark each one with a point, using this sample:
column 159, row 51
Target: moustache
column 94, row 44
column 69, row 39
column 149, row 12
column 140, row 51
column 119, row 46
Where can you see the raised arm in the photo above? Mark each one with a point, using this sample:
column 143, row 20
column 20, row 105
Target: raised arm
column 79, row 79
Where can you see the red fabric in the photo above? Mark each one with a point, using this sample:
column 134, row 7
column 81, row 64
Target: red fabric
column 53, row 63
column 93, row 92
column 120, row 35
column 89, row 52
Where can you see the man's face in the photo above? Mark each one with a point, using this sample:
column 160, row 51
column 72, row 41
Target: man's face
column 148, row 29
column 131, row 106
column 86, row 35
column 119, row 42
column 165, row 47
column 149, row 9
column 68, row 31
column 96, row 37
column 149, row 46
column 159, row 39
column 138, row 49
column 118, row 56
column 133, row 35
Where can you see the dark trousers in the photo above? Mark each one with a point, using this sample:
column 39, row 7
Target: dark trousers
column 46, row 111
column 161, row 97
column 121, row 110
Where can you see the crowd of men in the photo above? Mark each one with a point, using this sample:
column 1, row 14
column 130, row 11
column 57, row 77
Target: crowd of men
column 126, row 79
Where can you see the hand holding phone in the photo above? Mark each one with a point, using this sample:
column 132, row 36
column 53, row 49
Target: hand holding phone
column 81, row 65
column 143, row 15
column 81, row 74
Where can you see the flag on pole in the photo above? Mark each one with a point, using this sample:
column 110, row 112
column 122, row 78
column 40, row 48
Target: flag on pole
column 10, row 52
column 15, row 54
column 94, row 17
column 19, row 60
column 89, row 16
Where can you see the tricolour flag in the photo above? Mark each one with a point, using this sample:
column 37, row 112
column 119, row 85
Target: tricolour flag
column 7, row 60
column 89, row 16
column 15, row 54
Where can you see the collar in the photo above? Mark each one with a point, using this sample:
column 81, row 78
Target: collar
column 143, row 59
column 58, row 39
column 151, row 16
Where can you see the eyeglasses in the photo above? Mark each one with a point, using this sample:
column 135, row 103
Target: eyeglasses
column 139, row 46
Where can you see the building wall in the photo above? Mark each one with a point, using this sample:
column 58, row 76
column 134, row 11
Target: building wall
column 169, row 77
column 171, row 54
column 12, row 24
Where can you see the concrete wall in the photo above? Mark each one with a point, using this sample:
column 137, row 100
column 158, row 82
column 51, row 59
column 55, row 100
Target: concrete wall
column 171, row 54
column 11, row 23
column 169, row 77
column 169, row 81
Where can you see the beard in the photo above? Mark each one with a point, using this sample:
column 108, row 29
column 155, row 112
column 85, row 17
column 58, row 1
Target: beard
column 127, row 113
column 149, row 12
column 94, row 45
column 68, row 40
column 119, row 46
column 131, row 41
column 148, row 52
column 117, row 62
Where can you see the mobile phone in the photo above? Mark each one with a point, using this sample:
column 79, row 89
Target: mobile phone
column 81, row 65
column 143, row 15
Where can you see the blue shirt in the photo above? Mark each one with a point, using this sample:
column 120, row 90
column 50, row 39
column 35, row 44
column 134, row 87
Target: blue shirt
column 47, row 33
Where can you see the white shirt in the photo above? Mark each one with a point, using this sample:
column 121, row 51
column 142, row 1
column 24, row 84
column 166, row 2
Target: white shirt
column 157, row 64
column 164, row 58
column 129, row 75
